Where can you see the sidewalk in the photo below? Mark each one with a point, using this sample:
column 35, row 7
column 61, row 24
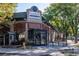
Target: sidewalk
column 39, row 51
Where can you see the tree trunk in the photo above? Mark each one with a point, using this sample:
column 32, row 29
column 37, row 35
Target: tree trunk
column 76, row 35
column 75, row 38
column 66, row 38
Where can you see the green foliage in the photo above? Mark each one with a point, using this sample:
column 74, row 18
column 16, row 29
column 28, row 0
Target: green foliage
column 63, row 16
column 6, row 11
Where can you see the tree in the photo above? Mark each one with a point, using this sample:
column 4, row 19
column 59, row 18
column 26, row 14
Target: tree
column 63, row 17
column 6, row 12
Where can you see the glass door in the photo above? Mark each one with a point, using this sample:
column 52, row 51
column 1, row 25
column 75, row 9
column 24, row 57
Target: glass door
column 37, row 37
column 43, row 37
column 12, row 38
column 31, row 37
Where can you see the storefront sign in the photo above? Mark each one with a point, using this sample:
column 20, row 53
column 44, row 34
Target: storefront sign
column 34, row 15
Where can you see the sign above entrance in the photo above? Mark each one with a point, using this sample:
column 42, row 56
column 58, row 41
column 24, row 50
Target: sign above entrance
column 34, row 15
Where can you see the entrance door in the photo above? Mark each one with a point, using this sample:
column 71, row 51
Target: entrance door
column 37, row 37
column 12, row 38
column 43, row 37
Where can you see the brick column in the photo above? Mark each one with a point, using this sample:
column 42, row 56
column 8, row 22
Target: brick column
column 12, row 26
column 26, row 32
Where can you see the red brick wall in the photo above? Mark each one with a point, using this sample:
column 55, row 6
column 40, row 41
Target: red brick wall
column 34, row 25
column 19, row 27
column 38, row 26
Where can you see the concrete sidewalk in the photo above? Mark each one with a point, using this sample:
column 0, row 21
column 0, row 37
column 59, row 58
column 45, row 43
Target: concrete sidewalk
column 36, row 51
column 39, row 51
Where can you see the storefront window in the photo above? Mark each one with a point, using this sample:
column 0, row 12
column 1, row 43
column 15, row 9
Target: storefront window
column 37, row 37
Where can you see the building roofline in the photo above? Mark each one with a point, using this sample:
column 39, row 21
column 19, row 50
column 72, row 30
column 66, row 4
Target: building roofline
column 24, row 15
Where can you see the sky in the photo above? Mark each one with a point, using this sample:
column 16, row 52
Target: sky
column 21, row 7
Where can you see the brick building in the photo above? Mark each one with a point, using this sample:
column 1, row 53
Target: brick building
column 31, row 27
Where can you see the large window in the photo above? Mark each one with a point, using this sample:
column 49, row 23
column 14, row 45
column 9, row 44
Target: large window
column 37, row 37
column 43, row 37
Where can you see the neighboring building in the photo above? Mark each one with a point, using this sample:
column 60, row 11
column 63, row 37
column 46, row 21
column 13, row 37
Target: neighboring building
column 30, row 26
